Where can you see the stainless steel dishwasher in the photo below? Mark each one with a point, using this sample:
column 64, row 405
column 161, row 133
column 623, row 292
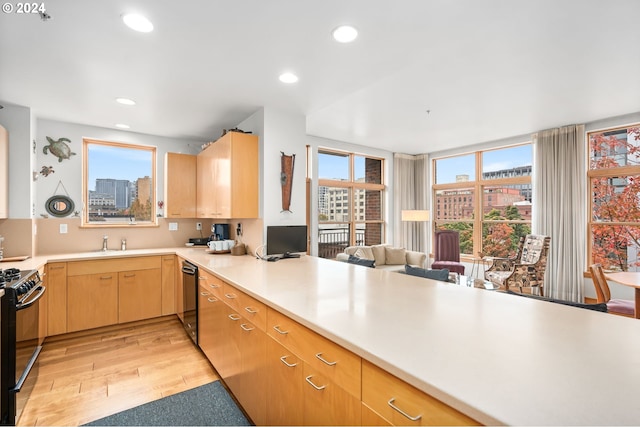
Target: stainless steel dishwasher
column 190, row 299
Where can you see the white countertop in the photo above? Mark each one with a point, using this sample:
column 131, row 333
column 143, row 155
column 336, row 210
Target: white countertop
column 498, row 358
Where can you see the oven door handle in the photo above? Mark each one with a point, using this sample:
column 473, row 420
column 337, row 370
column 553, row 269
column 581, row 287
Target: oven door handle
column 26, row 371
column 29, row 303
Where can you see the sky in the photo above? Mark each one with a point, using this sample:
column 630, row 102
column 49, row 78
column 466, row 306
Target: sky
column 117, row 163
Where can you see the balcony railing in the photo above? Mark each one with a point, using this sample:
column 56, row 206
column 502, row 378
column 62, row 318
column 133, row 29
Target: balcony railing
column 332, row 241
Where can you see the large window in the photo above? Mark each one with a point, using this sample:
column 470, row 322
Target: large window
column 118, row 184
column 486, row 197
column 350, row 200
column 614, row 180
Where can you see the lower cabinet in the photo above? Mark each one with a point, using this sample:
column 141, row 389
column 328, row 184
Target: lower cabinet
column 284, row 378
column 139, row 295
column 57, row 298
column 92, row 301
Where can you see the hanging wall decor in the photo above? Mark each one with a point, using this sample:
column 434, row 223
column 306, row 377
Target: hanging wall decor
column 59, row 205
column 46, row 170
column 286, row 179
column 58, row 148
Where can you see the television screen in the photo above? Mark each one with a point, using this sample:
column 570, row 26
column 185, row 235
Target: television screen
column 284, row 239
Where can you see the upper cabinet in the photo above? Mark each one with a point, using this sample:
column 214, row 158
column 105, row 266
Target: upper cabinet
column 4, row 173
column 227, row 178
column 180, row 185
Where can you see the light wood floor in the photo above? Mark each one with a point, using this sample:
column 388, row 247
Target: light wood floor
column 86, row 376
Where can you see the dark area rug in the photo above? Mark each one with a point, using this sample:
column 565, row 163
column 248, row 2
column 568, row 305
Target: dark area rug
column 207, row 405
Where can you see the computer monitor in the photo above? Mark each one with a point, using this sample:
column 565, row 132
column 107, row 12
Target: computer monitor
column 286, row 239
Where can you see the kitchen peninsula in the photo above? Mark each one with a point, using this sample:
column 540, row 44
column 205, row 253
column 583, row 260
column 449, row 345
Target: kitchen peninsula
column 493, row 357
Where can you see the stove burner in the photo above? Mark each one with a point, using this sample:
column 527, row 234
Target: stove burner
column 9, row 275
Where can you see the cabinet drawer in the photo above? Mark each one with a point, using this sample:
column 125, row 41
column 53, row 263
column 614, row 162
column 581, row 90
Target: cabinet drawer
column 247, row 306
column 403, row 404
column 331, row 360
column 211, row 282
column 231, row 296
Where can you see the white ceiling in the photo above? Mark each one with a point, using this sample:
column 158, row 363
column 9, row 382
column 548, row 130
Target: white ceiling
column 486, row 69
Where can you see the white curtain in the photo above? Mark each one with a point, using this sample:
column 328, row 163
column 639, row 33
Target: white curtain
column 410, row 192
column 559, row 200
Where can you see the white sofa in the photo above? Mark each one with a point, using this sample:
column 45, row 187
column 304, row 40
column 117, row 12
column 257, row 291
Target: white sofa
column 386, row 257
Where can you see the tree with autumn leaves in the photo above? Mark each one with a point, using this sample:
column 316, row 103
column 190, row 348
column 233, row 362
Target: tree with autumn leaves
column 616, row 203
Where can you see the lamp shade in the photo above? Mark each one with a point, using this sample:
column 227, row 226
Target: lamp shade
column 415, row 215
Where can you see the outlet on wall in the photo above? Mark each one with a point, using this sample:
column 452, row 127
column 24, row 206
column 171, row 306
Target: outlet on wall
column 239, row 229
column 198, row 226
column 63, row 228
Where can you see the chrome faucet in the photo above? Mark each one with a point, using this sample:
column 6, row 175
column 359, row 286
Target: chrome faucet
column 104, row 242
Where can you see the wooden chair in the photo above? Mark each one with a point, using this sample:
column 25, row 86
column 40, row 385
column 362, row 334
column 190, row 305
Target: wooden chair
column 621, row 307
column 526, row 269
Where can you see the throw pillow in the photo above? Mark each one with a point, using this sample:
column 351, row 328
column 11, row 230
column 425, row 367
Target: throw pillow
column 442, row 275
column 364, row 253
column 379, row 254
column 395, row 255
column 359, row 261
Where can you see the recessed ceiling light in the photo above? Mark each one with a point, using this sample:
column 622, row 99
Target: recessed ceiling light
column 345, row 34
column 122, row 126
column 288, row 78
column 125, row 101
column 137, row 22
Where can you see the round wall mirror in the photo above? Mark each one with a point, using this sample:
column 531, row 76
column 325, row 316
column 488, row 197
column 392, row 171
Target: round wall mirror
column 59, row 206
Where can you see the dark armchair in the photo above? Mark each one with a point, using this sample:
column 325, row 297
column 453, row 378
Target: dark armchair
column 447, row 251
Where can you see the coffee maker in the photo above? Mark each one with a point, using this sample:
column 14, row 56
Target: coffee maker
column 219, row 232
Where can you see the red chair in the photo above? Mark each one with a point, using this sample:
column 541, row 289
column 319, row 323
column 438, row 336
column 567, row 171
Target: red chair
column 447, row 251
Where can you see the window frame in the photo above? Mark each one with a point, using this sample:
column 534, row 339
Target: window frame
column 351, row 185
column 477, row 185
column 85, row 223
column 610, row 173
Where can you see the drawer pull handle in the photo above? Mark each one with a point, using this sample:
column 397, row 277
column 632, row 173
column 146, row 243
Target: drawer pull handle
column 212, row 299
column 393, row 399
column 230, row 296
column 105, row 277
column 130, row 275
column 202, row 278
column 214, row 286
column 234, row 317
column 251, row 310
column 280, row 331
column 204, row 293
column 246, row 328
column 284, row 360
column 322, row 359
column 322, row 387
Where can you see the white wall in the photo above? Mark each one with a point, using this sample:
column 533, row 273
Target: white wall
column 21, row 127
column 69, row 171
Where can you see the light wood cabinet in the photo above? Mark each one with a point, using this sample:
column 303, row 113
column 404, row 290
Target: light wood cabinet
column 180, row 185
column 139, row 295
column 400, row 403
column 92, row 301
column 284, row 380
column 227, row 178
column 56, row 278
column 110, row 291
column 325, row 403
column 4, row 173
column 169, row 272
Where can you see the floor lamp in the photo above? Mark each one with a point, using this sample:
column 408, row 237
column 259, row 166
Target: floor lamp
column 418, row 216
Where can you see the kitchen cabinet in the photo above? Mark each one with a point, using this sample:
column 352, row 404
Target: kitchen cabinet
column 180, row 185
column 139, row 295
column 227, row 178
column 4, row 173
column 284, row 380
column 110, row 291
column 331, row 375
column 169, row 272
column 56, row 278
column 92, row 301
column 400, row 403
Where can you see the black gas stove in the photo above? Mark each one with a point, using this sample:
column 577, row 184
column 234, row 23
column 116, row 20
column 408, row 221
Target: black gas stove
column 20, row 337
column 18, row 284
